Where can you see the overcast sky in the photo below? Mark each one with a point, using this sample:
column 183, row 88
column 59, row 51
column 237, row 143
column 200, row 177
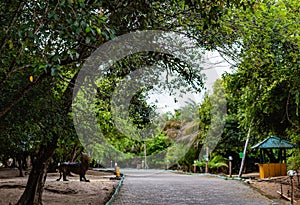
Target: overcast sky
column 214, row 67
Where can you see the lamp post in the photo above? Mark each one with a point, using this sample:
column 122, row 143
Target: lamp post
column 291, row 173
column 230, row 166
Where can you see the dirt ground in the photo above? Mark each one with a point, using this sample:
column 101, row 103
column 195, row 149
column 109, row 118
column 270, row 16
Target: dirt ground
column 271, row 186
column 96, row 192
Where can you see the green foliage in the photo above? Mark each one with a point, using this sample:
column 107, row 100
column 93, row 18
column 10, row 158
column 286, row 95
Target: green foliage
column 174, row 153
column 50, row 40
column 265, row 85
column 214, row 165
column 212, row 115
column 266, row 81
column 197, row 19
column 42, row 45
column 158, row 144
column 218, row 161
column 294, row 160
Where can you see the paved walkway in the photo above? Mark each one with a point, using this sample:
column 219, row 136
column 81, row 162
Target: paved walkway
column 160, row 187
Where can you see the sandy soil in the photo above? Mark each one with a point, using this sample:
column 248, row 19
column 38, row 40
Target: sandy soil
column 71, row 192
column 270, row 186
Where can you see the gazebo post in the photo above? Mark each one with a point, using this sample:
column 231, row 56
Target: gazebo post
column 262, row 157
column 280, row 159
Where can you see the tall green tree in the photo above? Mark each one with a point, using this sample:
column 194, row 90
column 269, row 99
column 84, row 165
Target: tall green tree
column 266, row 82
column 42, row 47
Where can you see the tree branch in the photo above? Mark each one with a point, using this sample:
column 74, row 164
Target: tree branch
column 11, row 25
column 19, row 96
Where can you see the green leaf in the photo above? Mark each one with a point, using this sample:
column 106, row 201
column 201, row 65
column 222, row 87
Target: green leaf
column 53, row 71
column 76, row 24
column 87, row 40
column 87, row 29
column 98, row 30
column 104, row 34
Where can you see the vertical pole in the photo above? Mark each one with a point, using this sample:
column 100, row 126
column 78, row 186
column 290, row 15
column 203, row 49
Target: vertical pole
column 230, row 168
column 292, row 191
column 206, row 160
column 145, row 155
column 280, row 156
column 244, row 154
column 206, row 166
column 261, row 160
column 281, row 189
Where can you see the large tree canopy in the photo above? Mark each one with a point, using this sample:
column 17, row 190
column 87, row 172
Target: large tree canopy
column 42, row 47
column 265, row 85
column 266, row 81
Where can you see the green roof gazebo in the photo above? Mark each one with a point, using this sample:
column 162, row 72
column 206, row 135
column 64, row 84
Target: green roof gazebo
column 273, row 156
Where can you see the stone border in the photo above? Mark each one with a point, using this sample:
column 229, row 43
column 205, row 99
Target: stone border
column 117, row 190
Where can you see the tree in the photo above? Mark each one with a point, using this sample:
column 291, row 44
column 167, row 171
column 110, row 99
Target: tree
column 44, row 44
column 266, row 83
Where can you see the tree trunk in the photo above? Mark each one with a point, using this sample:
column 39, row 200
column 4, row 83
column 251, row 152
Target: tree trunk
column 244, row 153
column 5, row 162
column 37, row 177
column 20, row 167
column 40, row 184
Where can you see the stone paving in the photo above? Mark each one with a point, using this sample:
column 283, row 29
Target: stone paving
column 161, row 187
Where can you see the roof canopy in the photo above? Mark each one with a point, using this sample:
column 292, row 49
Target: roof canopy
column 274, row 142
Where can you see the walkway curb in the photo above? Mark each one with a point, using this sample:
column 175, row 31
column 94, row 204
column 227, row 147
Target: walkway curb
column 117, row 190
column 208, row 174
